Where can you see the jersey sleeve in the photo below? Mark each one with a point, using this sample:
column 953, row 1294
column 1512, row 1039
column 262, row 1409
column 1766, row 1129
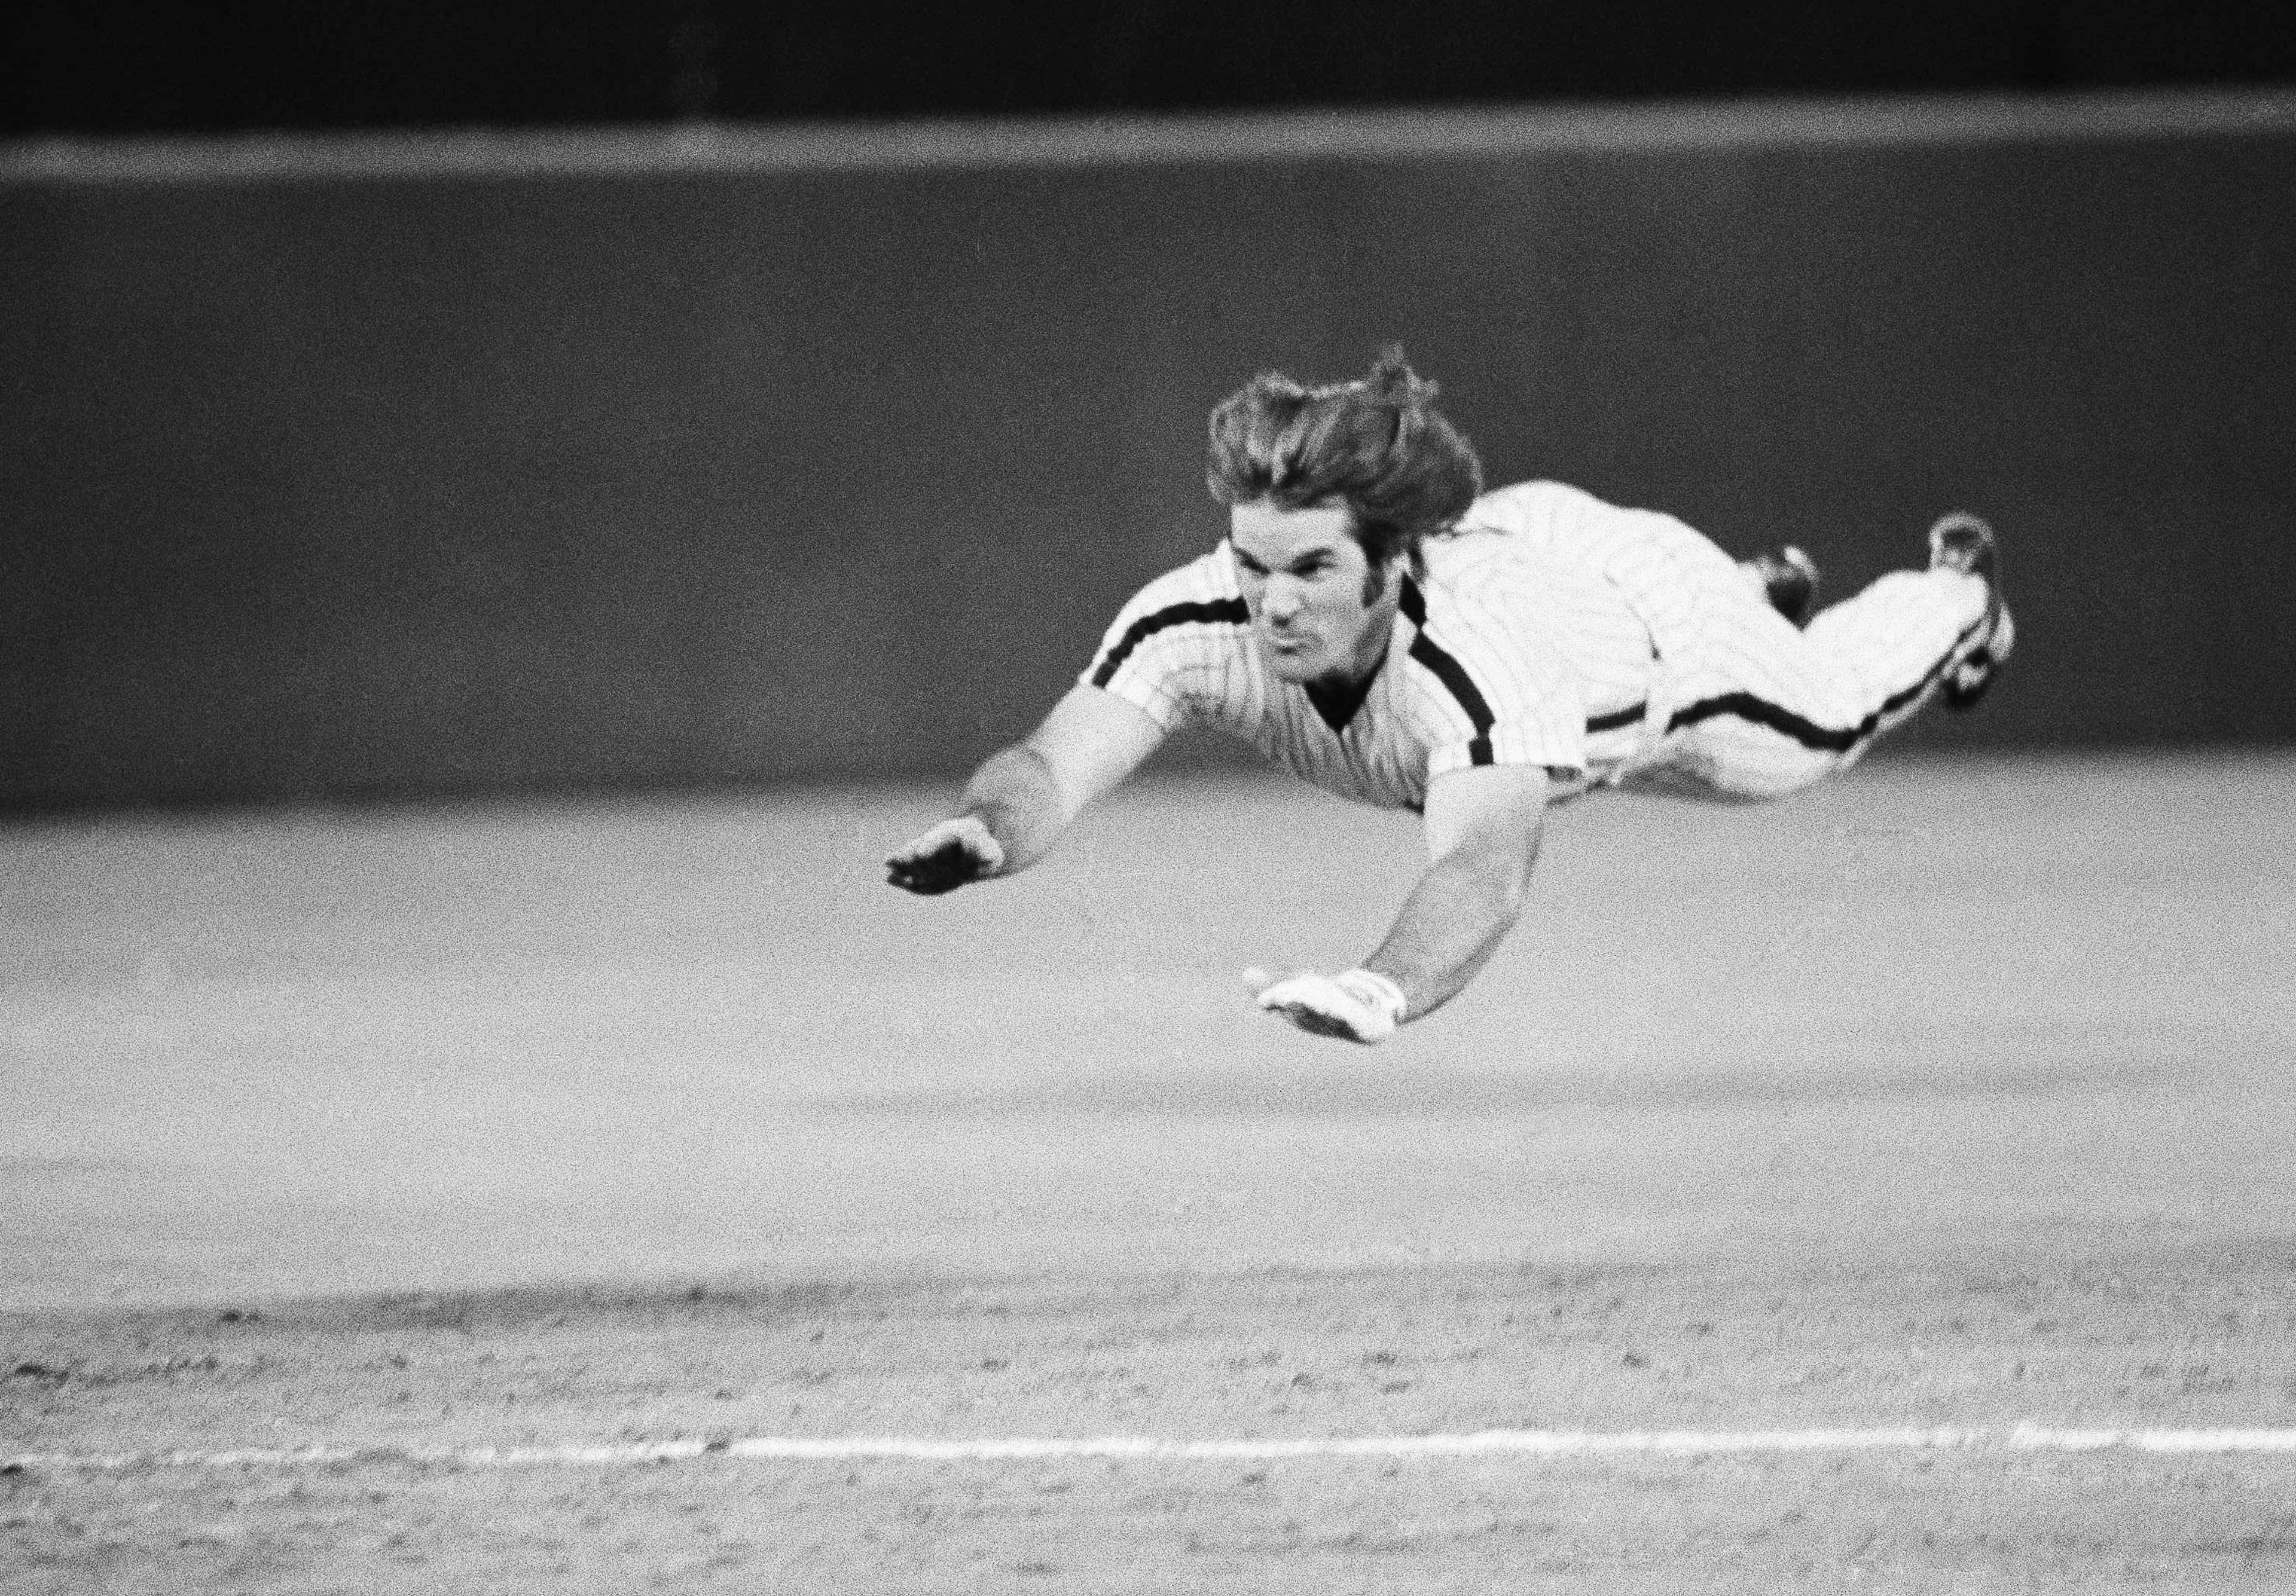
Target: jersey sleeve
column 1490, row 691
column 1170, row 649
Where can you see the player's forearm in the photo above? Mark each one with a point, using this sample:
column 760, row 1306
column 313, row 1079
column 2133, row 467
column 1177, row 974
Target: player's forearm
column 1453, row 920
column 1015, row 795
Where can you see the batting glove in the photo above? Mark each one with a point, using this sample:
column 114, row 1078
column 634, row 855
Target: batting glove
column 1359, row 1005
column 952, row 853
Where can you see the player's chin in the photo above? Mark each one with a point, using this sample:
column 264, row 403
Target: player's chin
column 1292, row 665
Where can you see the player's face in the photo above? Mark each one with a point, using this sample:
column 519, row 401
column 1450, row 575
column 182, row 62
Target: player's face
column 1315, row 615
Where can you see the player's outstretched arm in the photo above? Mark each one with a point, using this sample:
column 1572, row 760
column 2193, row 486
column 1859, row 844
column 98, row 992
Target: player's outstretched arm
column 1022, row 798
column 1482, row 829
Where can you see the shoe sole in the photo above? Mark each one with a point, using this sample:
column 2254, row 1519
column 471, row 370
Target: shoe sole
column 1966, row 683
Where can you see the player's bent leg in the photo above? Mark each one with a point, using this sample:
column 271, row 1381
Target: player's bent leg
column 1766, row 709
column 1759, row 714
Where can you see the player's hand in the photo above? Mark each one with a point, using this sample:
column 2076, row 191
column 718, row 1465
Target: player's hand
column 946, row 857
column 1355, row 1005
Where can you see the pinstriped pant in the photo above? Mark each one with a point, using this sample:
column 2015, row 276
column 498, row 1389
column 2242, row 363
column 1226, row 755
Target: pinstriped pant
column 1743, row 705
column 1749, row 706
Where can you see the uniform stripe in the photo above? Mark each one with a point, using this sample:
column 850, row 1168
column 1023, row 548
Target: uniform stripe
column 1230, row 611
column 1450, row 673
column 1617, row 718
column 1746, row 707
column 1411, row 602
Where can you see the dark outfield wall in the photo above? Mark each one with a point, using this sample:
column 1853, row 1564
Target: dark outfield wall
column 835, row 464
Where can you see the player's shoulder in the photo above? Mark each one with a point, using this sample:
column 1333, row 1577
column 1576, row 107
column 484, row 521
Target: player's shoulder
column 1191, row 618
column 1495, row 623
column 1463, row 611
column 1531, row 506
column 1482, row 669
column 1495, row 576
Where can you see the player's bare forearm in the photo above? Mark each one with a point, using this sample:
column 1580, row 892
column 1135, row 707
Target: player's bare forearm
column 1482, row 838
column 1454, row 919
column 1483, row 826
column 1017, row 795
column 1009, row 817
column 1021, row 798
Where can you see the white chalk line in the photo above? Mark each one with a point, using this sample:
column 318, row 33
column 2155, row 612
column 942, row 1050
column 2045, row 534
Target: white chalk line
column 1494, row 1442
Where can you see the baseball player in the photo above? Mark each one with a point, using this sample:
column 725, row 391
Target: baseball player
column 1377, row 624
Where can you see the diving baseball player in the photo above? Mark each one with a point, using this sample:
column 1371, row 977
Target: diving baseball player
column 1378, row 626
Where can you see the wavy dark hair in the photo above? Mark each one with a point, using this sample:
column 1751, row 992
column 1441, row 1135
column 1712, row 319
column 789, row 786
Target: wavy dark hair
column 1377, row 445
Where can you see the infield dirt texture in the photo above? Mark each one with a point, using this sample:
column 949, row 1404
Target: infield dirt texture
column 1950, row 1094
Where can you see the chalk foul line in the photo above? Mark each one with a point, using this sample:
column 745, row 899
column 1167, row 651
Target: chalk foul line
column 1490, row 1442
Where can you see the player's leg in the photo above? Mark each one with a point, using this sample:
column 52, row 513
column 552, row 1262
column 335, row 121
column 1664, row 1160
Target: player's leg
column 1762, row 710
column 1871, row 628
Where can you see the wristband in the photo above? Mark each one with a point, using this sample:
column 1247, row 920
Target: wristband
column 1375, row 990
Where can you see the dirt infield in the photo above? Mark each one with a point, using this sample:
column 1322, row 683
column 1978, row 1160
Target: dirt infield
column 1953, row 1094
column 2152, row 1337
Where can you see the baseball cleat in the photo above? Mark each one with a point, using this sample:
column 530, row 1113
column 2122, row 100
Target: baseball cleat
column 1789, row 576
column 1963, row 542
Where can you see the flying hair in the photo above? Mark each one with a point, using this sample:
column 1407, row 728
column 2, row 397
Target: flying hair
column 1376, row 444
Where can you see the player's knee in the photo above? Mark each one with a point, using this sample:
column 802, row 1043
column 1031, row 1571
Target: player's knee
column 1758, row 766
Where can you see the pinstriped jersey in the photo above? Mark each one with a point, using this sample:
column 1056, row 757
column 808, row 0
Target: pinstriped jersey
column 1662, row 568
column 1500, row 655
